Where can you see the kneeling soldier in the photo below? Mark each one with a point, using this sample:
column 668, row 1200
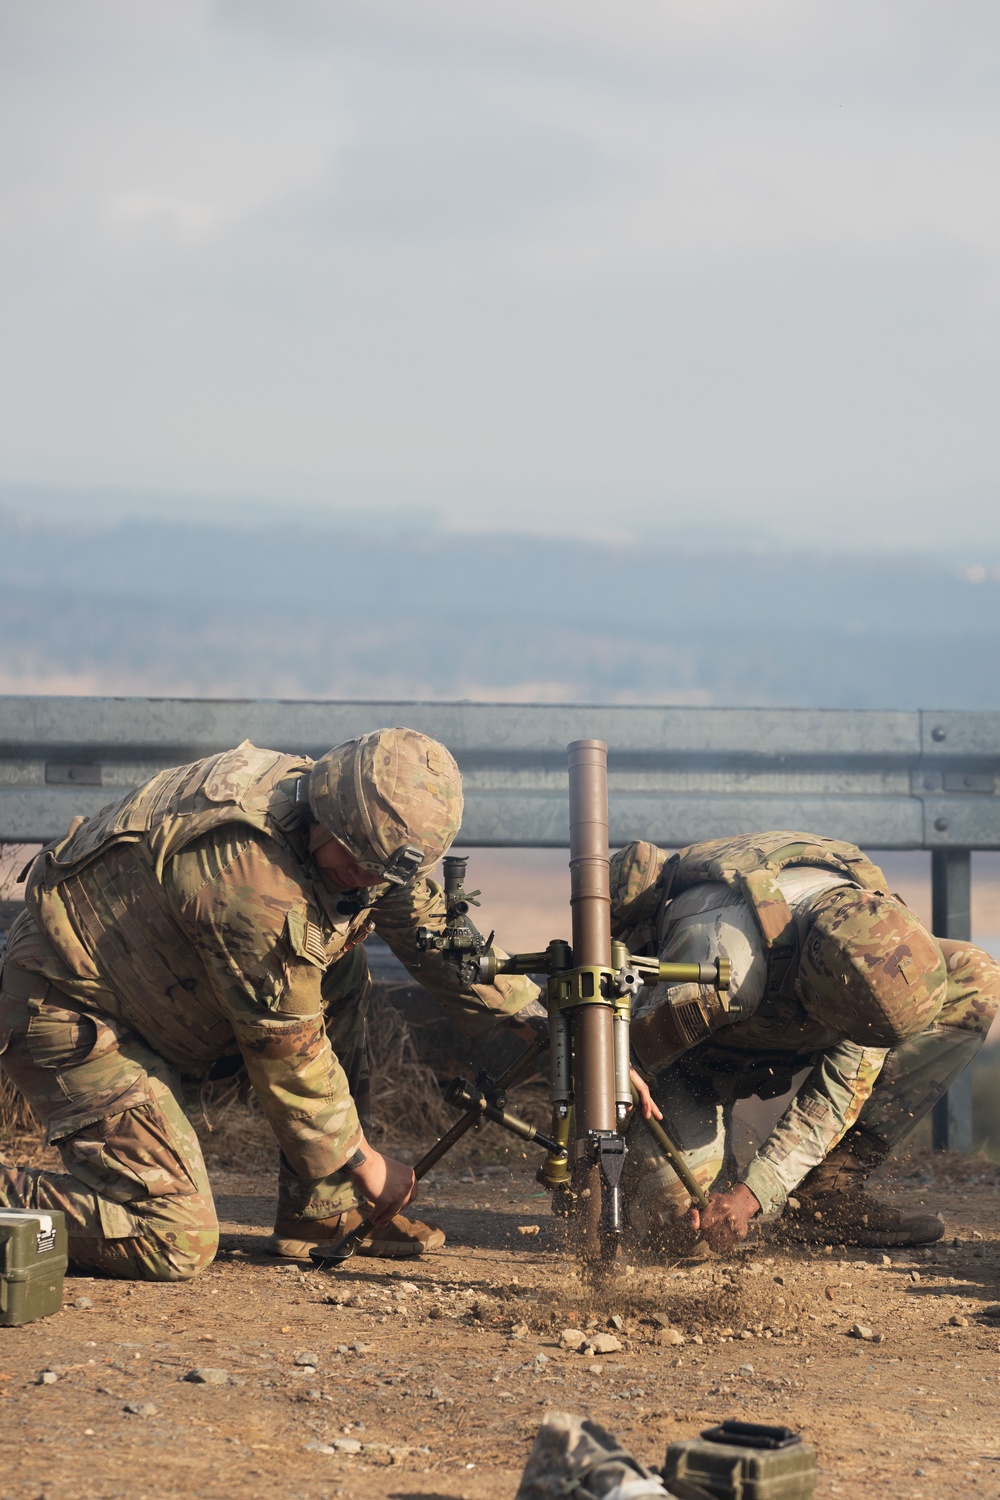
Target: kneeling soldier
column 832, row 977
column 214, row 919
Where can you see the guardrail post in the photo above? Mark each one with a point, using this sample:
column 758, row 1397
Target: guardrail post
column 951, row 917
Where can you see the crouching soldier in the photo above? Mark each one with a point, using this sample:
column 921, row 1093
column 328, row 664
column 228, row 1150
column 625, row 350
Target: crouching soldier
column 833, row 978
column 214, row 919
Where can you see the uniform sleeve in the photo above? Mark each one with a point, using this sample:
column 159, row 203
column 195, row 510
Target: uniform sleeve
column 820, row 1115
column 473, row 1007
column 241, row 899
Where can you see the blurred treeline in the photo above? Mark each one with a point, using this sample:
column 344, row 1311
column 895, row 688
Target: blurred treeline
column 154, row 607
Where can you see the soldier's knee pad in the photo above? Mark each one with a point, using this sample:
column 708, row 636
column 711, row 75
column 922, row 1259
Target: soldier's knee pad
column 175, row 1237
column 175, row 1254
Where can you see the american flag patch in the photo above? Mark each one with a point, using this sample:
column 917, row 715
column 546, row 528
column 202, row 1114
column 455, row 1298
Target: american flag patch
column 315, row 947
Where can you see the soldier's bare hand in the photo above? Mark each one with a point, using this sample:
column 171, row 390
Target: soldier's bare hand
column 647, row 1103
column 726, row 1218
column 388, row 1184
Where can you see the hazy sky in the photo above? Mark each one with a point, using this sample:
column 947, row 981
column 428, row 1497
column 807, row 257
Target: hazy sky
column 527, row 262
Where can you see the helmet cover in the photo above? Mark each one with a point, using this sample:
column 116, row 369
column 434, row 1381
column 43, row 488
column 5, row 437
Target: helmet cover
column 634, row 868
column 870, row 969
column 387, row 792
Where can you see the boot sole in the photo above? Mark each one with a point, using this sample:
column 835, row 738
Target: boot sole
column 288, row 1249
column 401, row 1249
column 384, row 1249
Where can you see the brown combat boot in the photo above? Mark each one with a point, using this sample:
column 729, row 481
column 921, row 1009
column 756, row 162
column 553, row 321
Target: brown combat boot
column 831, row 1207
column 294, row 1238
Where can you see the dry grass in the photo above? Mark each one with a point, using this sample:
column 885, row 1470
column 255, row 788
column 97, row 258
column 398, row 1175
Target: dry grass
column 22, row 1139
column 16, row 1118
column 407, row 1106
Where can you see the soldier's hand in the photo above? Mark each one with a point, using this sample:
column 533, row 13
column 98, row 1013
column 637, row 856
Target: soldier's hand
column 726, row 1218
column 388, row 1184
column 647, row 1103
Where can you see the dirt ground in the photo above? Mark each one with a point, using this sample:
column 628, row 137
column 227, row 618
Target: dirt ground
column 428, row 1378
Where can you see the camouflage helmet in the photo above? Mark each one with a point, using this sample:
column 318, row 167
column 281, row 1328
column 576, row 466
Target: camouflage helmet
column 393, row 798
column 634, row 869
column 870, row 969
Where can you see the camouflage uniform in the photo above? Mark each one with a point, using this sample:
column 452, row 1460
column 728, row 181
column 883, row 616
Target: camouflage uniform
column 186, row 930
column 832, row 979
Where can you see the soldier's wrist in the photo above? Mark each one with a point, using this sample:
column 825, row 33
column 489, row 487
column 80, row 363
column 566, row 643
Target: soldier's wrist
column 742, row 1190
column 765, row 1185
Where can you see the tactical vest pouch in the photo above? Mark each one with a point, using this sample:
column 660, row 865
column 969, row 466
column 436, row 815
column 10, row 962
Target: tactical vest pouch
column 178, row 805
column 119, row 909
column 752, row 864
column 690, row 1013
column 33, row 1262
column 237, row 773
column 745, row 1461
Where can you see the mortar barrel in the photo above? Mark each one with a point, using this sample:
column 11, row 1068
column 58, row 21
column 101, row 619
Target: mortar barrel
column 593, row 1025
column 590, row 881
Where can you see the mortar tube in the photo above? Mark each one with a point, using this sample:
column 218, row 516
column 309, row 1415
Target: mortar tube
column 593, row 1025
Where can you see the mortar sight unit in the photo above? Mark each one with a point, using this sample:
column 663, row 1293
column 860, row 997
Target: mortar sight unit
column 590, row 983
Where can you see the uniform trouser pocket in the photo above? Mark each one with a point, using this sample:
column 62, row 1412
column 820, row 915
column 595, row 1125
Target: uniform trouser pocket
column 135, row 1155
column 111, row 1105
column 136, row 1194
column 70, row 1066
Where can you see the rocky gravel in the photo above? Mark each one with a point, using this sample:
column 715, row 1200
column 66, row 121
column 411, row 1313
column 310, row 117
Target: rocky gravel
column 426, row 1379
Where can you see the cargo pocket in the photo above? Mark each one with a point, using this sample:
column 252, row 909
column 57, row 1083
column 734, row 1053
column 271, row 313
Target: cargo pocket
column 81, row 1052
column 132, row 1156
column 116, row 1221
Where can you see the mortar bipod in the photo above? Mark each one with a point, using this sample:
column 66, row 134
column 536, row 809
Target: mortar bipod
column 489, row 1100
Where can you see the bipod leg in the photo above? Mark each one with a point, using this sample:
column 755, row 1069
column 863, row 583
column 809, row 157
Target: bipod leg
column 674, row 1156
column 341, row 1250
column 490, row 1103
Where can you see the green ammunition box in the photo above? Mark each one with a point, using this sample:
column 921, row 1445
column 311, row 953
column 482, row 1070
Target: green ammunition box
column 745, row 1461
column 32, row 1265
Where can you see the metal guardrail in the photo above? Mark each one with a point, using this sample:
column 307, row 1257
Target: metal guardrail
column 884, row 780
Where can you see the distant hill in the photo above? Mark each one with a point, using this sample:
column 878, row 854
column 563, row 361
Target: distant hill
column 154, row 607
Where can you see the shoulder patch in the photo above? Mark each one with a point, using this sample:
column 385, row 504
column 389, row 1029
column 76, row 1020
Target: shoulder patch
column 306, row 939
